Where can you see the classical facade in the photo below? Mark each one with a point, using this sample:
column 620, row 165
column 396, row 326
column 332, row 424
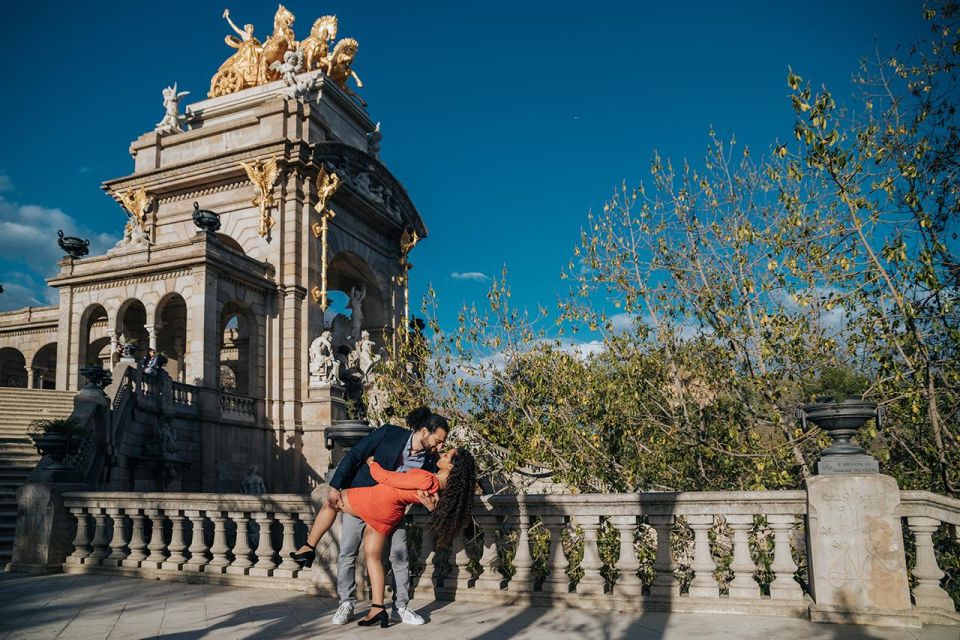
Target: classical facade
column 235, row 311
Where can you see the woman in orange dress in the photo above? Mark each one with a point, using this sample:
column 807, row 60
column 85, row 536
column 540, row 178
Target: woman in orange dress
column 382, row 507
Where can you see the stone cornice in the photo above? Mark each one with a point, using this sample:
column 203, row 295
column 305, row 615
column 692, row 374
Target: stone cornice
column 12, row 332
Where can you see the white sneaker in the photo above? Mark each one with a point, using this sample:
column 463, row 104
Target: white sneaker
column 409, row 616
column 344, row 613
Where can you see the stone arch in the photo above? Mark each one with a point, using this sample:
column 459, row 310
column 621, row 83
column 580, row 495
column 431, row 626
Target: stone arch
column 131, row 325
column 13, row 368
column 238, row 348
column 170, row 324
column 94, row 323
column 44, row 366
column 346, row 271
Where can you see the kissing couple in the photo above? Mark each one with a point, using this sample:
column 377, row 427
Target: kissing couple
column 391, row 468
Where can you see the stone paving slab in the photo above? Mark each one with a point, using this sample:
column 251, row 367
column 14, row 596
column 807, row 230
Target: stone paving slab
column 98, row 607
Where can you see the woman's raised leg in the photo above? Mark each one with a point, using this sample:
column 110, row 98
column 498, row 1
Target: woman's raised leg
column 321, row 524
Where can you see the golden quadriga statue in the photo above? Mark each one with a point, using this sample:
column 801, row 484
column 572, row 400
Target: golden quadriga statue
column 250, row 66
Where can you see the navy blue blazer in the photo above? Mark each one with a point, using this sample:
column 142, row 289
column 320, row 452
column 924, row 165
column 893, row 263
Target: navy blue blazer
column 386, row 446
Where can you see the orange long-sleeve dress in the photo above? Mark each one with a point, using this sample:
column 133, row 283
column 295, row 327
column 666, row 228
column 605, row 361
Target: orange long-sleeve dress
column 382, row 506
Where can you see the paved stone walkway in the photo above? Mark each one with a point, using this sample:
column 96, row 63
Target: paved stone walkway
column 97, row 607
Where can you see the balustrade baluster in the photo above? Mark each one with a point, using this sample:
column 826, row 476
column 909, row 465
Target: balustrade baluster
column 288, row 566
column 219, row 547
column 629, row 583
column 664, row 584
column 522, row 580
column 81, row 541
column 156, row 546
column 177, row 546
column 556, row 580
column 704, row 583
column 138, row 543
column 265, row 564
column 428, row 555
column 743, row 585
column 241, row 546
column 491, row 578
column 928, row 593
column 198, row 546
column 783, row 586
column 592, row 582
column 99, row 542
column 457, row 576
column 118, row 544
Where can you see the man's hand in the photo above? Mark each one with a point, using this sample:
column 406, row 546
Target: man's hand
column 334, row 499
column 428, row 500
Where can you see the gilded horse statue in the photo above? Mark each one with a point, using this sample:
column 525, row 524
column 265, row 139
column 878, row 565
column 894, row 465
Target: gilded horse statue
column 316, row 48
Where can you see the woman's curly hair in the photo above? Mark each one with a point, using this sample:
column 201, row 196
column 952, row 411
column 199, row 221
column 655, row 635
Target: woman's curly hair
column 456, row 499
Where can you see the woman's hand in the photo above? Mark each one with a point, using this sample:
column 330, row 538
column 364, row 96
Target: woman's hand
column 428, row 500
column 370, row 461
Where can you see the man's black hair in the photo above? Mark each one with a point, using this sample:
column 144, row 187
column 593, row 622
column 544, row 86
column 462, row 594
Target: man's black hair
column 435, row 422
column 416, row 418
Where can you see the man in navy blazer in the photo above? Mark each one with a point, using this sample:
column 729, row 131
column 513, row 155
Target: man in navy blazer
column 395, row 449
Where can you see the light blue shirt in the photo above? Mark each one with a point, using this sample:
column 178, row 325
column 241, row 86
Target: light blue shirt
column 411, row 460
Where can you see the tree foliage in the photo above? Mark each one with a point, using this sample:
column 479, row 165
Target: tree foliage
column 719, row 298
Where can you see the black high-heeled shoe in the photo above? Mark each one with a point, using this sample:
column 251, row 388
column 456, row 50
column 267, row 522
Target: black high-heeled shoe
column 381, row 617
column 305, row 559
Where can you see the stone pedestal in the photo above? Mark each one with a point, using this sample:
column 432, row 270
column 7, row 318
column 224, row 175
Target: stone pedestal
column 858, row 571
column 324, row 405
column 45, row 528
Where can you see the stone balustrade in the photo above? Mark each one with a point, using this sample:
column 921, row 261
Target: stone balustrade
column 237, row 407
column 686, row 552
column 184, row 394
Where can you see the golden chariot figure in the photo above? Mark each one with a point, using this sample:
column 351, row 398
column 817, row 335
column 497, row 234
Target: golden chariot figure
column 252, row 64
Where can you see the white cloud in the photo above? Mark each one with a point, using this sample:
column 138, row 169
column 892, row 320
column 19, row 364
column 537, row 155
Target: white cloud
column 476, row 276
column 28, row 235
column 622, row 322
column 5, row 183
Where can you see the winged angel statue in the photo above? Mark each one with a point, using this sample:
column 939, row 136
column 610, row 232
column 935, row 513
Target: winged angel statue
column 263, row 174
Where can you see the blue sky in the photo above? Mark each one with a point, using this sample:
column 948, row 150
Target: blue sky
column 507, row 122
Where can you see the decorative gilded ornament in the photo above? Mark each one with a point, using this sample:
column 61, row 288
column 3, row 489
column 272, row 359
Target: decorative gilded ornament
column 316, row 48
column 263, row 174
column 327, row 184
column 408, row 240
column 137, row 204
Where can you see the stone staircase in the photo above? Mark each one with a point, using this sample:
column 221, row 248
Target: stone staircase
column 18, row 456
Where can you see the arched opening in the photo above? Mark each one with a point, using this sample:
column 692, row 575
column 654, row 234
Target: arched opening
column 236, row 352
column 349, row 274
column 45, row 367
column 131, row 319
column 172, row 334
column 13, row 368
column 94, row 339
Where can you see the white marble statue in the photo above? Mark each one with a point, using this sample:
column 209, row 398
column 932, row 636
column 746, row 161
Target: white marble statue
column 324, row 366
column 356, row 305
column 172, row 120
column 373, row 141
column 292, row 65
column 363, row 358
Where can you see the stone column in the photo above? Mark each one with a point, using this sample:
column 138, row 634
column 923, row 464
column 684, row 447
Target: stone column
column 153, row 331
column 664, row 584
column 858, row 571
column 704, row 583
column 29, row 370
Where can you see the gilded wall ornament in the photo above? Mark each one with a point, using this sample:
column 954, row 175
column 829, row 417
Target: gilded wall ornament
column 327, row 184
column 263, row 174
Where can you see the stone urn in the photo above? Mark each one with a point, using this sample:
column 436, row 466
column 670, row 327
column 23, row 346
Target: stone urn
column 341, row 436
column 97, row 377
column 841, row 419
column 128, row 349
column 205, row 219
column 73, row 246
column 54, row 444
